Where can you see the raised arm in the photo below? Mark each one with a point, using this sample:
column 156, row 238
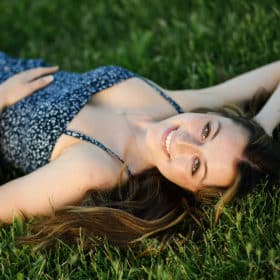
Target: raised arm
column 23, row 84
column 269, row 116
column 236, row 90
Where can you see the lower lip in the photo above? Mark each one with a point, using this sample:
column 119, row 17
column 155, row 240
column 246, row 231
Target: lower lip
column 163, row 139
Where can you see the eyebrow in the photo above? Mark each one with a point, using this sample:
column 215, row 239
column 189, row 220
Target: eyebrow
column 217, row 131
column 205, row 163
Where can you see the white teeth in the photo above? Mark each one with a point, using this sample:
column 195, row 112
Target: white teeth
column 168, row 141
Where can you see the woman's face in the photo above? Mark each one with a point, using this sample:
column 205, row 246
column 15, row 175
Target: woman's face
column 197, row 150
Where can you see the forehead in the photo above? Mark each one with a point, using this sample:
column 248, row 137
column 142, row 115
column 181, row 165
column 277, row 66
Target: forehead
column 223, row 153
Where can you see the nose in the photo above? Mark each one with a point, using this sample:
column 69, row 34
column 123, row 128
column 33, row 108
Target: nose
column 185, row 142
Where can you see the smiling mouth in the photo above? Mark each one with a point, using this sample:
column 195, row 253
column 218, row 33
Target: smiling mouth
column 166, row 140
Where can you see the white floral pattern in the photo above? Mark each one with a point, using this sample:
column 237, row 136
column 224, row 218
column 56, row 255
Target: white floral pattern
column 30, row 128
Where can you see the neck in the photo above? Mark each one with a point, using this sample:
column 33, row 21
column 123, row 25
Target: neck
column 137, row 153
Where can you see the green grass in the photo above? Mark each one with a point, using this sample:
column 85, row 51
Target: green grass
column 178, row 44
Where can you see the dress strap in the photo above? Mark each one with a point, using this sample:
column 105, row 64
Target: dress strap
column 97, row 143
column 176, row 106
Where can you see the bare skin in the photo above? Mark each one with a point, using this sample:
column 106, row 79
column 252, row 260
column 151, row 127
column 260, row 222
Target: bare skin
column 272, row 108
column 136, row 112
column 23, row 84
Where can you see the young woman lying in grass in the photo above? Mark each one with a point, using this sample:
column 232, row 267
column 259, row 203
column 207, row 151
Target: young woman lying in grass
column 114, row 154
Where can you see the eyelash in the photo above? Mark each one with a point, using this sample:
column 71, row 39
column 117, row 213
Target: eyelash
column 195, row 165
column 206, row 128
column 205, row 133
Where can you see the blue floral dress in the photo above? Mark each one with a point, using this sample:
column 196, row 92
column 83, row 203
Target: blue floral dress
column 30, row 128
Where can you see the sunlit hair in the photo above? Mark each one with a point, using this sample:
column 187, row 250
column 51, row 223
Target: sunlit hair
column 145, row 205
column 148, row 204
column 261, row 156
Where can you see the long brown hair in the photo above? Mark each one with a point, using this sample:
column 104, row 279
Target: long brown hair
column 260, row 163
column 145, row 205
column 148, row 204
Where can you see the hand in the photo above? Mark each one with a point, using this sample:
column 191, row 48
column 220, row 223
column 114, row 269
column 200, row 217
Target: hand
column 23, row 84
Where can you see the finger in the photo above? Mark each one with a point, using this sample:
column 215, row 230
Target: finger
column 27, row 89
column 39, row 83
column 34, row 74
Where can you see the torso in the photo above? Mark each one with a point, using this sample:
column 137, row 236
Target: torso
column 104, row 117
column 98, row 103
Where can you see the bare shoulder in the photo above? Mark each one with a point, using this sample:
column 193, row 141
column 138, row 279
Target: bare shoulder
column 62, row 182
column 134, row 95
column 99, row 169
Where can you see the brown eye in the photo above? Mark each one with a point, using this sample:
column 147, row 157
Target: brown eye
column 206, row 131
column 195, row 165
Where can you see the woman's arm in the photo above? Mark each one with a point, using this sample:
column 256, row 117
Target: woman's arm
column 62, row 182
column 236, row 90
column 23, row 84
column 269, row 116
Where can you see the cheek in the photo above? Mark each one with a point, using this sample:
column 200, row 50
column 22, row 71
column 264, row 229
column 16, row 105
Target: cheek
column 177, row 172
